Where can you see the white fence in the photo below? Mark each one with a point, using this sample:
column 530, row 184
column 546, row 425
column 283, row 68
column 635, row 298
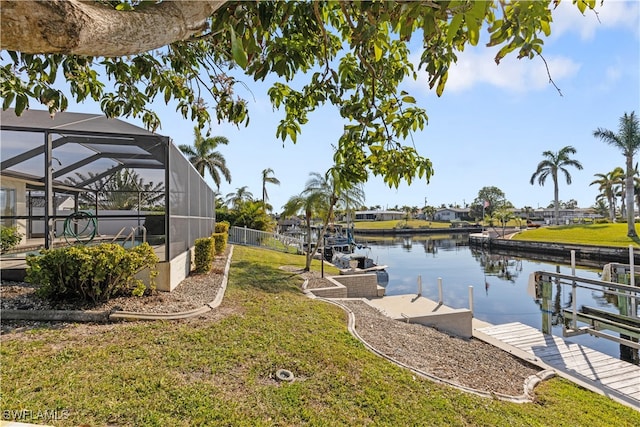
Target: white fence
column 279, row 242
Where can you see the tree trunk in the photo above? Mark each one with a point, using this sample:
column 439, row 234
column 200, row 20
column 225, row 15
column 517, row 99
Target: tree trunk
column 631, row 226
column 310, row 250
column 93, row 29
column 612, row 209
column 556, row 200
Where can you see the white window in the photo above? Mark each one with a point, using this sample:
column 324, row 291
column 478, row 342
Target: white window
column 7, row 206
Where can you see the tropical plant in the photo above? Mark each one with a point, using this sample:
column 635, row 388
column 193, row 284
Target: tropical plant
column 601, row 207
column 204, row 157
column 488, row 199
column 321, row 196
column 429, row 212
column 242, row 194
column 528, row 211
column 607, row 185
column 353, row 55
column 267, row 178
column 554, row 163
column 310, row 205
column 626, row 140
column 125, row 189
column 251, row 214
column 10, row 237
column 92, row 273
column 334, row 191
column 502, row 215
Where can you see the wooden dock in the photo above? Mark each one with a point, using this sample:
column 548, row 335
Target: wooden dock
column 589, row 368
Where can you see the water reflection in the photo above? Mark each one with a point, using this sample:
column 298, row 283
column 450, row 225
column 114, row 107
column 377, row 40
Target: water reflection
column 502, row 290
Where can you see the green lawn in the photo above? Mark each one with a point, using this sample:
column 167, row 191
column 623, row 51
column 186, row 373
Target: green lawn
column 585, row 234
column 388, row 225
column 219, row 370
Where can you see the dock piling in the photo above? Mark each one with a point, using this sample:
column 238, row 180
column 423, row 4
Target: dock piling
column 574, row 296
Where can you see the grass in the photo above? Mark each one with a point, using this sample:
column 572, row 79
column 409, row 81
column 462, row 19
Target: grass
column 608, row 234
column 584, row 234
column 391, row 224
column 220, row 372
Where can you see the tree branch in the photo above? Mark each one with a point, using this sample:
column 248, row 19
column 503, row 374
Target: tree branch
column 94, row 29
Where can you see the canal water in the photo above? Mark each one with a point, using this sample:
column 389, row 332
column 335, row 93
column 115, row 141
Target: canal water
column 502, row 291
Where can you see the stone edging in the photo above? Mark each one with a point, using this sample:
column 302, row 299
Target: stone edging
column 530, row 383
column 113, row 316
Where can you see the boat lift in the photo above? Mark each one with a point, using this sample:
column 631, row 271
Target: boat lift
column 599, row 323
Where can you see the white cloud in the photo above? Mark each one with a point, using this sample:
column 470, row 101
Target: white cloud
column 611, row 14
column 477, row 67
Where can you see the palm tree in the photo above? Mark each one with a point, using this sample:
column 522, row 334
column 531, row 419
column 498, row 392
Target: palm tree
column 125, row 189
column 628, row 141
column 334, row 191
column 204, row 157
column 310, row 205
column 607, row 185
column 267, row 178
column 601, row 207
column 550, row 166
column 241, row 195
column 328, row 192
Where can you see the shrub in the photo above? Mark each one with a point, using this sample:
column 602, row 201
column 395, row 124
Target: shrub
column 222, row 227
column 204, row 253
column 220, row 240
column 91, row 273
column 9, row 238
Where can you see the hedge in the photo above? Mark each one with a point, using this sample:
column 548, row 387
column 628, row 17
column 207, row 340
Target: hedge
column 91, row 273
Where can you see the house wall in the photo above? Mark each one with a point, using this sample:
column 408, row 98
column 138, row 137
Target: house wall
column 379, row 215
column 390, row 216
column 445, row 215
column 21, row 203
column 171, row 273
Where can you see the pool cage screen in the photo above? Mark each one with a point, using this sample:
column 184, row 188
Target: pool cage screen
column 61, row 170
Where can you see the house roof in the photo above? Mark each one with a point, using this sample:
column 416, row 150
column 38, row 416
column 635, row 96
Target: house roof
column 380, row 213
column 70, row 122
column 85, row 147
column 461, row 210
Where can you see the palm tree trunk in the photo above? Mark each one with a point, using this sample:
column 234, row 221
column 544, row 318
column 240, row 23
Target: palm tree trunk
column 310, row 250
column 631, row 226
column 556, row 201
column 612, row 209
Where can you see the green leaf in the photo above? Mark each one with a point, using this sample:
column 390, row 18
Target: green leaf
column 546, row 28
column 123, row 6
column 377, row 52
column 21, row 103
column 239, row 55
column 8, row 100
column 454, row 26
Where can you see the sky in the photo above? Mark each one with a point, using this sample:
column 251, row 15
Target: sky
column 489, row 128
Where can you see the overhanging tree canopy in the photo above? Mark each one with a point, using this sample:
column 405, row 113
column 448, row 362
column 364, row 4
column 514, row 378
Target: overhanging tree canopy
column 353, row 55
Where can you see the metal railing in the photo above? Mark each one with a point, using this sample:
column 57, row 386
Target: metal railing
column 596, row 320
column 280, row 242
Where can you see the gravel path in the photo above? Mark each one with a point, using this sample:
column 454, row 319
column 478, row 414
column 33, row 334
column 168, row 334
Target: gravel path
column 468, row 363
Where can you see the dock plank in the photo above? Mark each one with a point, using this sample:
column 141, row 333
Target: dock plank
column 604, row 374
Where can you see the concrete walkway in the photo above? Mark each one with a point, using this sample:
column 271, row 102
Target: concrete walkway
column 586, row 367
